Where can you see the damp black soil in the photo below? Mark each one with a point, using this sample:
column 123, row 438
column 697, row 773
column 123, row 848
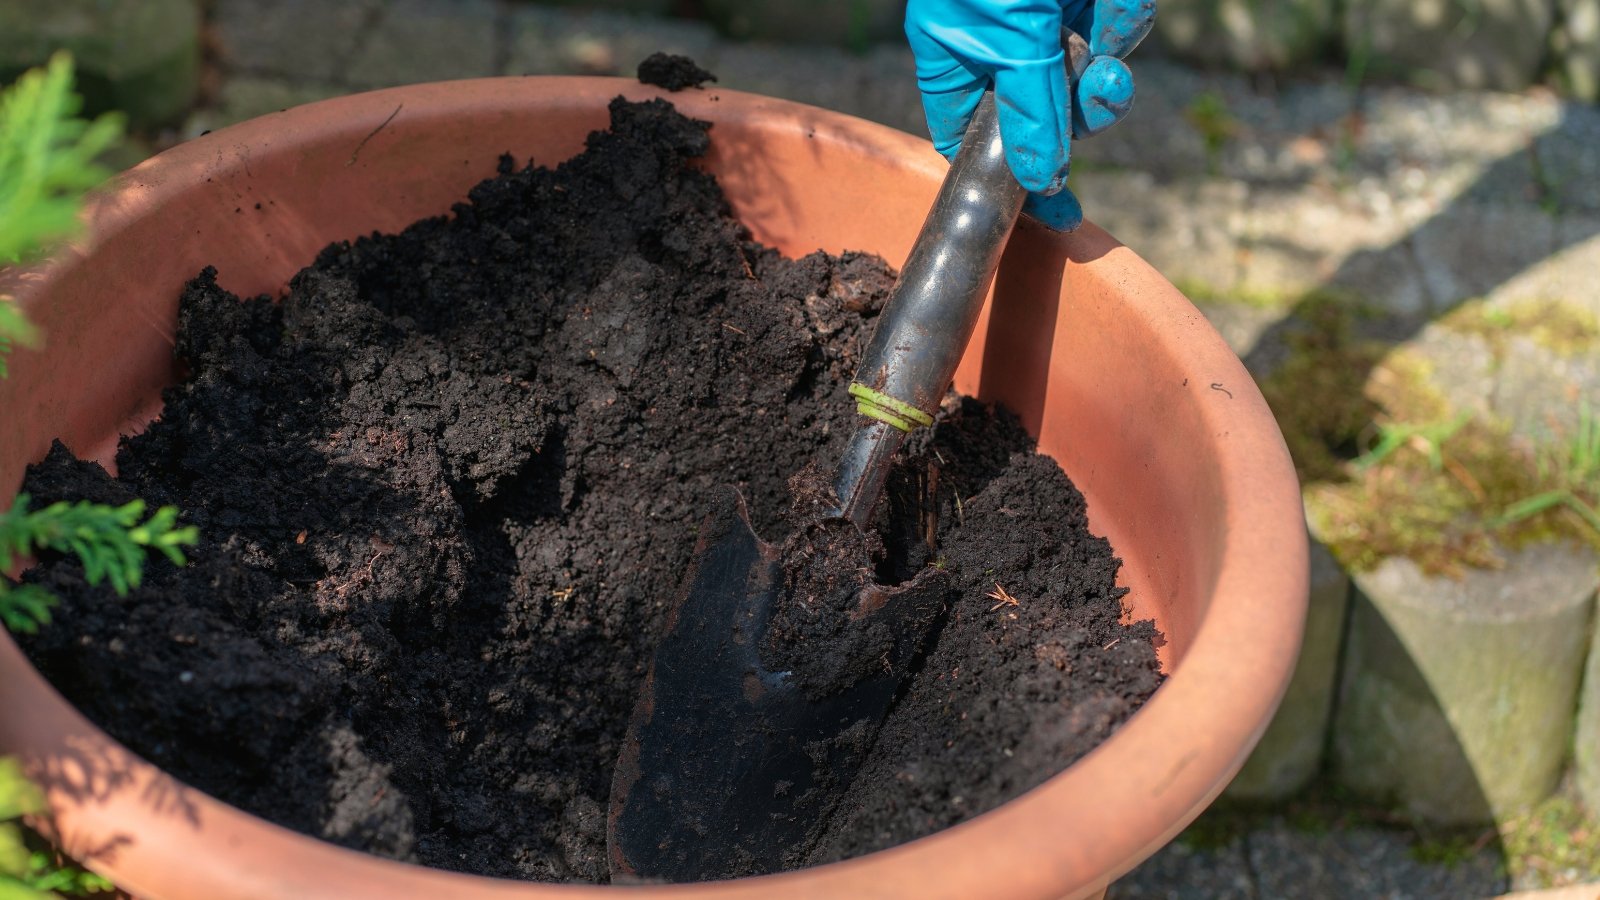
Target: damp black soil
column 673, row 72
column 446, row 488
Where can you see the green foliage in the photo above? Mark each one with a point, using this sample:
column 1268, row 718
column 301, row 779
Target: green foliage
column 1209, row 115
column 1573, row 471
column 1557, row 326
column 1453, row 494
column 110, row 541
column 1428, row 437
column 1553, row 844
column 47, row 159
column 47, row 163
column 28, row 869
column 1318, row 393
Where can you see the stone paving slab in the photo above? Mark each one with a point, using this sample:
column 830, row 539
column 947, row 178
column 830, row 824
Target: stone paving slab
column 413, row 41
column 1276, row 861
column 304, row 40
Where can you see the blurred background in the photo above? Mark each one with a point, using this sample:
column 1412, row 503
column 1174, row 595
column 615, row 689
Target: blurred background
column 1390, row 209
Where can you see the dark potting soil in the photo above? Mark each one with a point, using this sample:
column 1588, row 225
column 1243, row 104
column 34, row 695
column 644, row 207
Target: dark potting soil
column 673, row 72
column 447, row 486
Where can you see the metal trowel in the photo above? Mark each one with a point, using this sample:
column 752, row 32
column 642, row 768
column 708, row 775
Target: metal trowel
column 732, row 766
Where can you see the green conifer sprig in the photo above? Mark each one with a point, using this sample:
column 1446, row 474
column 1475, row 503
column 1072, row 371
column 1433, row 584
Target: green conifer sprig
column 110, row 541
column 47, row 163
column 47, row 159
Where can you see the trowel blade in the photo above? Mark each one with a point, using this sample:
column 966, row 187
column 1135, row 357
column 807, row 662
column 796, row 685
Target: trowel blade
column 728, row 769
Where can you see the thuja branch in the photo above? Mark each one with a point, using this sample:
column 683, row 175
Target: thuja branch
column 110, row 541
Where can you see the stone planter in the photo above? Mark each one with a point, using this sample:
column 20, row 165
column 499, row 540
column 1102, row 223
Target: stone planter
column 1458, row 696
column 1586, row 745
column 1248, row 35
column 1494, row 44
column 1290, row 753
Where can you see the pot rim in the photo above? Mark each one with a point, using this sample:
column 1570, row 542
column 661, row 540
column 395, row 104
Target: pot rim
column 1242, row 654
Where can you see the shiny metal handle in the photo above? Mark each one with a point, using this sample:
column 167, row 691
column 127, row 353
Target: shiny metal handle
column 924, row 328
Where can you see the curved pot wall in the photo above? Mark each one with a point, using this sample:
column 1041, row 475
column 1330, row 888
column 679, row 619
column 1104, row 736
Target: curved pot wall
column 1121, row 379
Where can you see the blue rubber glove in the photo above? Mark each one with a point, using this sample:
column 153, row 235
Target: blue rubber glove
column 964, row 47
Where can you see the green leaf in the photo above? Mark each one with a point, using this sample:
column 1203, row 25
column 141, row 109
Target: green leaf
column 18, row 796
column 1529, row 507
column 25, row 608
column 14, row 889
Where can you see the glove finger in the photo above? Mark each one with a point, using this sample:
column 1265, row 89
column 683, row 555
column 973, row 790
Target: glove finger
column 948, row 114
column 1060, row 211
column 1104, row 95
column 1035, row 125
column 1115, row 27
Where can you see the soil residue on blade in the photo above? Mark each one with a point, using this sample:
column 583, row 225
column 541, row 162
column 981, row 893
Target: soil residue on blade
column 446, row 487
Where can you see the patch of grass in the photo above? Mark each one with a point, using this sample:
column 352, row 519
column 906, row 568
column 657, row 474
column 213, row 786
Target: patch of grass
column 1554, row 325
column 1448, row 851
column 1553, row 844
column 1390, row 469
column 1454, row 494
column 1208, row 114
column 1271, row 301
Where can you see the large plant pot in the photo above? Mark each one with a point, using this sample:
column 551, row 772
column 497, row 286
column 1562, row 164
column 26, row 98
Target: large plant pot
column 1121, row 379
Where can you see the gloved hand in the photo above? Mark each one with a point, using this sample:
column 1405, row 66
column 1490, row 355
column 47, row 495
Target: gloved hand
column 964, row 47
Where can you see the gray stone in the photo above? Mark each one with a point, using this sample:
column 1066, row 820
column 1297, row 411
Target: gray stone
column 1240, row 324
column 1462, row 367
column 1576, row 49
column 1293, row 241
column 632, row 7
column 843, row 23
column 1539, row 390
column 821, row 76
column 1155, row 138
column 1187, row 230
column 1339, row 863
column 1179, row 871
column 1568, row 166
column 1586, row 745
column 1386, row 278
column 1290, row 753
column 1496, row 44
column 140, row 58
column 1250, row 35
column 305, row 40
column 416, row 40
column 1469, row 249
column 569, row 42
column 244, row 98
column 1568, row 275
column 1458, row 695
column 889, row 93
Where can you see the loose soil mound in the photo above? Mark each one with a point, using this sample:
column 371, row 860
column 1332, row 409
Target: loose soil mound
column 446, row 487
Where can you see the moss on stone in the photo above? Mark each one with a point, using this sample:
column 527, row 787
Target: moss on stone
column 1204, row 293
column 1559, row 327
column 1552, row 845
column 1444, row 504
column 1318, row 393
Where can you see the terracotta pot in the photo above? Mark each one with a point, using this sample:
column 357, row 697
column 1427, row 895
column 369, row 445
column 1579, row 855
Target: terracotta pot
column 1121, row 379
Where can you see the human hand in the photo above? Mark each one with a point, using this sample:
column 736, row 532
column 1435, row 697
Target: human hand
column 1015, row 47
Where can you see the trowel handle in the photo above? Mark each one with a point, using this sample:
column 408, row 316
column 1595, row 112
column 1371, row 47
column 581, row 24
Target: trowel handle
column 924, row 328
